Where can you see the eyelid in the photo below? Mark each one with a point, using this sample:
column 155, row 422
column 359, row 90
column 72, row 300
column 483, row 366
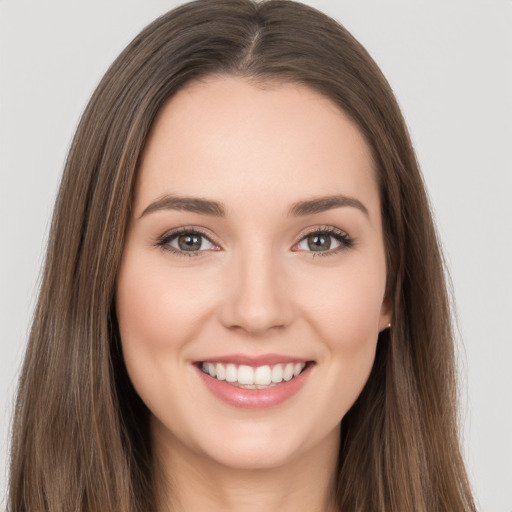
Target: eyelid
column 163, row 241
column 321, row 229
column 346, row 241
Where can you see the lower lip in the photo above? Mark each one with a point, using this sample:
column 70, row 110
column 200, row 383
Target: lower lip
column 254, row 398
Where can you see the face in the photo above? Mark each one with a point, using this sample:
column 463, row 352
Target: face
column 251, row 288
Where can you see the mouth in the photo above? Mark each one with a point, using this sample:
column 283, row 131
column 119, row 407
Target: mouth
column 249, row 383
column 253, row 377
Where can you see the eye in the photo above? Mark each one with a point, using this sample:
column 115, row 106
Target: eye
column 186, row 242
column 325, row 241
column 190, row 242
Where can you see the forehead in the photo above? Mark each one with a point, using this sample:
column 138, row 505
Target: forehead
column 230, row 138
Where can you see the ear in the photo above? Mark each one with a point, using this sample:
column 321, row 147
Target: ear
column 386, row 315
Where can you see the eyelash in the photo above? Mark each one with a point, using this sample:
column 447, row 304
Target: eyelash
column 346, row 242
column 164, row 241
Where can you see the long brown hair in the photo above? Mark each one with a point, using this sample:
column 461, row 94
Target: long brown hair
column 80, row 434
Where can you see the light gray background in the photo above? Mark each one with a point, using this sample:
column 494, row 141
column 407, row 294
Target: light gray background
column 449, row 62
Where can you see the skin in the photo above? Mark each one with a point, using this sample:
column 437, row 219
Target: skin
column 256, row 288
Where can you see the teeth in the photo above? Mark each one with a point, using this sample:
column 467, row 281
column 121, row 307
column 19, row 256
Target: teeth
column 277, row 373
column 220, row 371
column 245, row 374
column 231, row 373
column 263, row 375
column 288, row 372
column 253, row 377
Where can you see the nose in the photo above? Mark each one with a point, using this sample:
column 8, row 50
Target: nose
column 256, row 299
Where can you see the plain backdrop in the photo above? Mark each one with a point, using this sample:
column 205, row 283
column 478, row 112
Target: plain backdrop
column 449, row 63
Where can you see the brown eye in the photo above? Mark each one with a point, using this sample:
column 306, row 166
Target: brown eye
column 325, row 241
column 190, row 242
column 320, row 242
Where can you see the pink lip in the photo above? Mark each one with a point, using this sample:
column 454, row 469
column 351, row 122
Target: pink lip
column 254, row 398
column 248, row 360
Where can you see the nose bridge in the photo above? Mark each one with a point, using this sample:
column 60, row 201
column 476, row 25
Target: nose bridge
column 257, row 300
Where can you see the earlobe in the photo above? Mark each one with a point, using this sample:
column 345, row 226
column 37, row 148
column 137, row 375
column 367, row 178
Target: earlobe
column 388, row 326
column 385, row 316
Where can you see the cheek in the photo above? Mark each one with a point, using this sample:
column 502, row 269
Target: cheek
column 348, row 327
column 344, row 314
column 157, row 308
column 158, row 316
column 347, row 308
column 142, row 309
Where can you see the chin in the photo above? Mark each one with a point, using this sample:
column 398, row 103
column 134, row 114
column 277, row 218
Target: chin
column 254, row 455
column 265, row 447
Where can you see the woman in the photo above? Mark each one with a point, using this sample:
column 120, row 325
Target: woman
column 243, row 303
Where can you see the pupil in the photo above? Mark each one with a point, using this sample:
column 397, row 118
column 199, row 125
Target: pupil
column 319, row 242
column 189, row 242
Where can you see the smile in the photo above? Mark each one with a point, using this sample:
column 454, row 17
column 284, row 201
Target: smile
column 249, row 377
column 254, row 382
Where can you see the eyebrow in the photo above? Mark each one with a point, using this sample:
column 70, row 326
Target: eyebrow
column 189, row 204
column 322, row 204
column 216, row 209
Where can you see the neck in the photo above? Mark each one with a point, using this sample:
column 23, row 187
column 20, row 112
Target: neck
column 192, row 482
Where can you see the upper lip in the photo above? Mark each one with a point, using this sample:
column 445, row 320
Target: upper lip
column 253, row 360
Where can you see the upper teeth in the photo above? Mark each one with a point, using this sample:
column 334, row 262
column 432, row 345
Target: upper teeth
column 247, row 376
